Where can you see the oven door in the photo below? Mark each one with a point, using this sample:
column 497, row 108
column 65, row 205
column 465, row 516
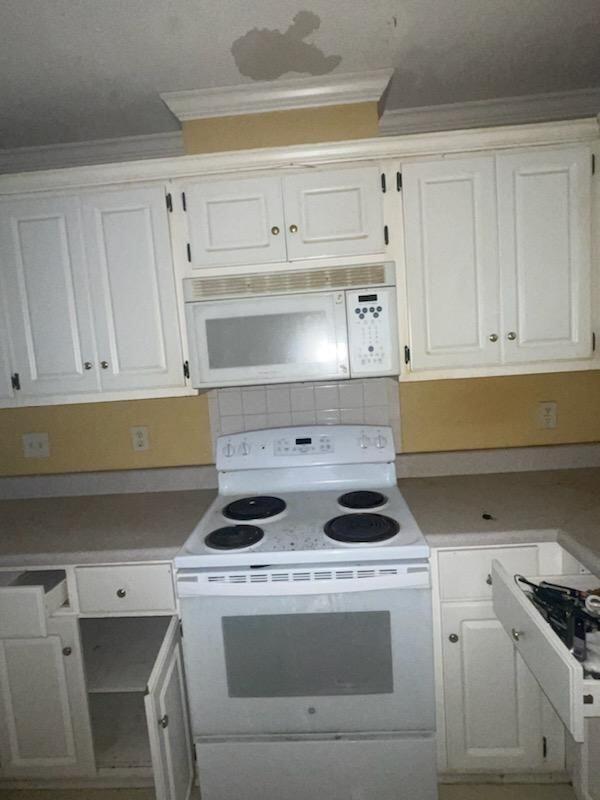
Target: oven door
column 267, row 339
column 339, row 661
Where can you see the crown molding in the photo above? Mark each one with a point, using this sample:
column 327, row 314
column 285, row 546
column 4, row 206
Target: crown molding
column 485, row 113
column 299, row 156
column 100, row 151
column 280, row 95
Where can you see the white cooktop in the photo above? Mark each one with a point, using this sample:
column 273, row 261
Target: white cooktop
column 296, row 535
column 309, row 468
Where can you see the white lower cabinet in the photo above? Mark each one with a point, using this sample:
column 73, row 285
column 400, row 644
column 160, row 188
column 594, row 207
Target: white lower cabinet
column 46, row 731
column 497, row 718
column 137, row 701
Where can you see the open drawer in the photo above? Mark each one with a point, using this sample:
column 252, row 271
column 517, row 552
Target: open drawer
column 27, row 599
column 557, row 671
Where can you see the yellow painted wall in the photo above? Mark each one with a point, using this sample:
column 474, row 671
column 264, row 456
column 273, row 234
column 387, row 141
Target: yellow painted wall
column 280, row 128
column 96, row 436
column 483, row 413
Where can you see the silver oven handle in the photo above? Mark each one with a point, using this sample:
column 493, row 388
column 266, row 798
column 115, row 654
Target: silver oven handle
column 295, row 581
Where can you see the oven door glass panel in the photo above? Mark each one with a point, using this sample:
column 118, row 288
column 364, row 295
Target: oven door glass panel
column 267, row 339
column 345, row 661
column 304, row 655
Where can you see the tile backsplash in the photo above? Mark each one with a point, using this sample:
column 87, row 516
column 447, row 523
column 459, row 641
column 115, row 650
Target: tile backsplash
column 373, row 401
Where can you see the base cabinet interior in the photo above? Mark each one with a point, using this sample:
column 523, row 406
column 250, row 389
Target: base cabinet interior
column 137, row 702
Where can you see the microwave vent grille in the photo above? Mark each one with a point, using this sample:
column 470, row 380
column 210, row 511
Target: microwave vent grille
column 286, row 282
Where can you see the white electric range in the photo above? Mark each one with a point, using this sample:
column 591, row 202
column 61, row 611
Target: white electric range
column 306, row 609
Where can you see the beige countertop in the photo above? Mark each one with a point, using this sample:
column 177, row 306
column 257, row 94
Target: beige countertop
column 561, row 505
column 98, row 528
column 521, row 506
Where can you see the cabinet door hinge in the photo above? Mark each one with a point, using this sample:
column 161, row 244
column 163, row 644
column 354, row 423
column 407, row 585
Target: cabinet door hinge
column 593, row 341
column 183, row 201
column 15, row 381
column 169, row 201
column 189, row 253
column 406, row 354
column 386, row 234
column 544, row 747
column 398, row 181
column 593, row 163
column 186, row 369
column 383, row 183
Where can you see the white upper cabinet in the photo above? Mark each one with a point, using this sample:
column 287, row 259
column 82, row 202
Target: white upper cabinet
column 544, row 203
column 42, row 257
column 452, row 262
column 133, row 289
column 333, row 213
column 235, row 222
column 498, row 258
column 316, row 214
column 6, row 391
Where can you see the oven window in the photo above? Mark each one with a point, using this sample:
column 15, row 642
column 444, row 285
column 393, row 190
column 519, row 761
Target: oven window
column 306, row 655
column 269, row 339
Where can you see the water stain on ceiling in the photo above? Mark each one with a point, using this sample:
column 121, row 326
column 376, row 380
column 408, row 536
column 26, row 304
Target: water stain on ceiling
column 264, row 54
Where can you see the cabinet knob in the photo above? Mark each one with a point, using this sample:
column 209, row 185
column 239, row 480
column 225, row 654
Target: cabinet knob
column 121, row 593
column 104, row 364
column 87, row 365
column 67, row 651
column 516, row 634
column 293, row 229
column 511, row 336
column 164, row 721
column 493, row 337
column 488, row 580
column 275, row 230
column 453, row 638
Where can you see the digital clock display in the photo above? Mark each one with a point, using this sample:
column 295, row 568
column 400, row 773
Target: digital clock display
column 303, row 441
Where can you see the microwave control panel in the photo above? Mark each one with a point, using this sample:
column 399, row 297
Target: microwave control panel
column 372, row 331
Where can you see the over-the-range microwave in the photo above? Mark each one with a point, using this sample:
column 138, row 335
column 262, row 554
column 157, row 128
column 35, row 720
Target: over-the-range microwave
column 306, row 325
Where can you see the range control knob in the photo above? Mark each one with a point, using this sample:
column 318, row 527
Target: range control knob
column 228, row 450
column 244, row 449
column 380, row 441
column 364, row 441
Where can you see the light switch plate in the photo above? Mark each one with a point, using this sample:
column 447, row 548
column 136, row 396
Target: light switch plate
column 36, row 445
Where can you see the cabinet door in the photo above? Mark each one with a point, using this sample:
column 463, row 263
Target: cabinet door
column 6, row 391
column 42, row 255
column 235, row 222
column 168, row 723
column 544, row 201
column 46, row 730
column 496, row 717
column 333, row 213
column 133, row 289
column 452, row 263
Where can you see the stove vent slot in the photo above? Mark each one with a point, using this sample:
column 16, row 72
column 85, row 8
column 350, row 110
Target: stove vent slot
column 285, row 282
column 294, row 576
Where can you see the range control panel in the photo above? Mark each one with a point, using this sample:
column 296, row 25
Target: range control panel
column 306, row 445
column 372, row 331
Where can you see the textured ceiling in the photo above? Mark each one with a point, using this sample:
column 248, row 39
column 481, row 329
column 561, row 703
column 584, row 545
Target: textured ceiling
column 74, row 70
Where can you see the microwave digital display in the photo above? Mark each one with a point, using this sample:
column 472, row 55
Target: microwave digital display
column 303, row 441
column 367, row 298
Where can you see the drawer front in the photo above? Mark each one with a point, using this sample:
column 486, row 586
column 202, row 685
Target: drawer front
column 559, row 675
column 465, row 574
column 22, row 612
column 123, row 589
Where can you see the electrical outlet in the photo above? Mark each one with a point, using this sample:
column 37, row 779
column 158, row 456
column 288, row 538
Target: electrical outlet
column 140, row 438
column 546, row 414
column 36, row 445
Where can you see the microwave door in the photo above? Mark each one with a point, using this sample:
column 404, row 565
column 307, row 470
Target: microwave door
column 268, row 339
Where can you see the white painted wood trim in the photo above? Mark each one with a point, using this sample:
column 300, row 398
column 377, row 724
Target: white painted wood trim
column 100, row 151
column 299, row 156
column 280, row 95
column 497, row 111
